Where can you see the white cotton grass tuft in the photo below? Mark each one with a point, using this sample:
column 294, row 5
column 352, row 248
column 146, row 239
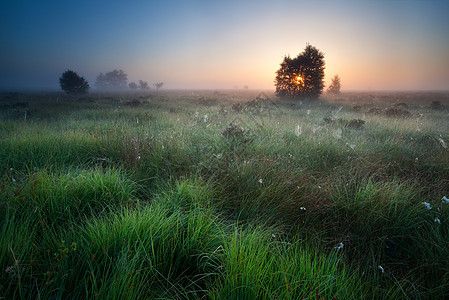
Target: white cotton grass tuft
column 442, row 142
column 260, row 181
column 437, row 220
column 298, row 130
column 445, row 199
column 381, row 268
column 340, row 246
column 427, row 205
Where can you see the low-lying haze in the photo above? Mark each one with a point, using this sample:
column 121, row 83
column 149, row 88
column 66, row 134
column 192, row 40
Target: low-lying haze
column 378, row 45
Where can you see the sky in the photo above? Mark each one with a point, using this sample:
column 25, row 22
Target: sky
column 199, row 44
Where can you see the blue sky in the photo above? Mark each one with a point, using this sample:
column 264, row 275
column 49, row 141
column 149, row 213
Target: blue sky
column 383, row 44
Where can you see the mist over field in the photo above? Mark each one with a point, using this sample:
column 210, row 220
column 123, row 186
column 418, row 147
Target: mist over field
column 372, row 45
column 224, row 150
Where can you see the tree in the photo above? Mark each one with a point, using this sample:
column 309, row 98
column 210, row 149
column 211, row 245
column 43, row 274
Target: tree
column 116, row 79
column 72, row 83
column 334, row 87
column 143, row 85
column 158, row 85
column 301, row 77
column 133, row 85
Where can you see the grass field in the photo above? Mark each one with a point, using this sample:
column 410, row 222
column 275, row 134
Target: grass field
column 224, row 195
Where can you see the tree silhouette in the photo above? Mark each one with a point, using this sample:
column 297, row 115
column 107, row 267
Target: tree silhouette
column 116, row 79
column 143, row 85
column 72, row 83
column 301, row 77
column 133, row 85
column 334, row 87
column 158, row 85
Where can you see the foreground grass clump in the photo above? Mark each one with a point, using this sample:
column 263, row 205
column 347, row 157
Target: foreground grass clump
column 216, row 196
column 164, row 249
column 59, row 198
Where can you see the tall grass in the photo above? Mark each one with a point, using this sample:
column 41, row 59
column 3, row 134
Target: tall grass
column 196, row 200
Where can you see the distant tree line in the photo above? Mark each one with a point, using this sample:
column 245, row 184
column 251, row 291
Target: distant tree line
column 72, row 83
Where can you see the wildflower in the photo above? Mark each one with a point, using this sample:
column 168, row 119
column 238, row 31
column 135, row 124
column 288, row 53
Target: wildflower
column 273, row 235
column 352, row 146
column 260, row 181
column 381, row 268
column 205, row 118
column 14, row 271
column 308, row 112
column 445, row 200
column 427, row 205
column 340, row 246
column 437, row 220
column 138, row 157
column 302, row 208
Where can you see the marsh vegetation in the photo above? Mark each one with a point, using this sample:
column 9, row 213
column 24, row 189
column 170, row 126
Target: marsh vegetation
column 224, row 195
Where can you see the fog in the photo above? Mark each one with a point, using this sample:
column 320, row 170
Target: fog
column 400, row 45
